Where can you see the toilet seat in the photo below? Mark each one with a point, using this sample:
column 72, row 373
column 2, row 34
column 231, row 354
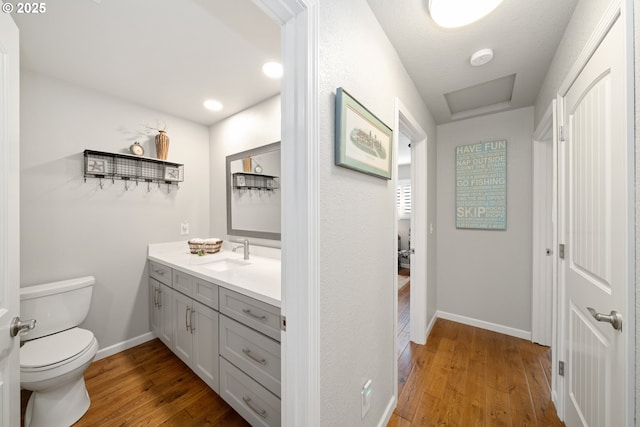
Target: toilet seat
column 53, row 350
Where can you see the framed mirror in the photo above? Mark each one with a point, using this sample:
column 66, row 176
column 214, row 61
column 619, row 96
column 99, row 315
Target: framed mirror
column 253, row 193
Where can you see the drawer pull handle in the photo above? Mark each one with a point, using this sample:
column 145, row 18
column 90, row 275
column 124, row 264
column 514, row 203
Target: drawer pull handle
column 155, row 297
column 261, row 412
column 251, row 356
column 159, row 299
column 160, row 272
column 255, row 316
column 187, row 318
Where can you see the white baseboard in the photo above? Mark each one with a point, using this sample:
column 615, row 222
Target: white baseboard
column 386, row 416
column 518, row 333
column 124, row 345
column 431, row 323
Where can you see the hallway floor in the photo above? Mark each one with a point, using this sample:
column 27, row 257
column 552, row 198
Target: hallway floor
column 466, row 376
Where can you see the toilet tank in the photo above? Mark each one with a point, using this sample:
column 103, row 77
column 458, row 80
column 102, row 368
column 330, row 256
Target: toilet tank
column 55, row 306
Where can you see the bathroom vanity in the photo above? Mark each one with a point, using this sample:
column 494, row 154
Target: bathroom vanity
column 220, row 314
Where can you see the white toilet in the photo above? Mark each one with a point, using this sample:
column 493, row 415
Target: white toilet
column 55, row 354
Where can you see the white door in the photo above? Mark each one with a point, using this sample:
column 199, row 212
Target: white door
column 9, row 221
column 597, row 235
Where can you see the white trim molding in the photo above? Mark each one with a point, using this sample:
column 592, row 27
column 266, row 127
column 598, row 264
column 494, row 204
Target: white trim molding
column 124, row 345
column 507, row 330
column 300, row 342
column 542, row 313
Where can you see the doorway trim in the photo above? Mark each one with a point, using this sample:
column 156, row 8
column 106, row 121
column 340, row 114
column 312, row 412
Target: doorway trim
column 404, row 122
column 544, row 324
column 300, row 307
column 544, row 205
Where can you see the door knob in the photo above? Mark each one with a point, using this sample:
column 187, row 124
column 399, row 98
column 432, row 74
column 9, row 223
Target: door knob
column 19, row 327
column 614, row 318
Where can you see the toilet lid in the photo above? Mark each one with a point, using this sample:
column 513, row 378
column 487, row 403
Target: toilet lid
column 54, row 348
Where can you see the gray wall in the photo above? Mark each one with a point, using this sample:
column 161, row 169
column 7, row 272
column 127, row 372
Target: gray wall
column 356, row 217
column 491, row 269
column 256, row 126
column 582, row 23
column 71, row 229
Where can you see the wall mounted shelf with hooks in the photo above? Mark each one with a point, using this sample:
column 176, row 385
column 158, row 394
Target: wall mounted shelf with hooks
column 111, row 166
column 252, row 181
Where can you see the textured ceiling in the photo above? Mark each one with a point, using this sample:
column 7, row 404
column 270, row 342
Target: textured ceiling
column 524, row 36
column 163, row 54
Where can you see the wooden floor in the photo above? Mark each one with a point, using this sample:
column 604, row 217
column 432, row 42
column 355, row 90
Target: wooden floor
column 467, row 377
column 463, row 376
column 149, row 386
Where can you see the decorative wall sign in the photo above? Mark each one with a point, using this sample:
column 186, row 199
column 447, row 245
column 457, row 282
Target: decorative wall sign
column 481, row 185
column 363, row 142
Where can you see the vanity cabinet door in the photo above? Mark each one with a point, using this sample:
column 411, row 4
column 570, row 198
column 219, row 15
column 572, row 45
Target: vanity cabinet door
column 161, row 317
column 182, row 324
column 165, row 325
column 154, row 306
column 205, row 345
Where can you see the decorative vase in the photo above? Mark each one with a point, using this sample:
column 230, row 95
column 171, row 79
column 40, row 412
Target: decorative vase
column 162, row 145
column 246, row 164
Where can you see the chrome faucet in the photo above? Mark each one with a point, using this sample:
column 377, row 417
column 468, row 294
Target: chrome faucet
column 245, row 246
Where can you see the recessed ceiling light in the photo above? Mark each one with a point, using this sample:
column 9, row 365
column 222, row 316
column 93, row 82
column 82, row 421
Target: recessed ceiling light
column 458, row 13
column 213, row 105
column 481, row 57
column 272, row 69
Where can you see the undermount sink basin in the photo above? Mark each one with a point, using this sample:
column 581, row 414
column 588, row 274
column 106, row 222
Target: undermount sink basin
column 226, row 264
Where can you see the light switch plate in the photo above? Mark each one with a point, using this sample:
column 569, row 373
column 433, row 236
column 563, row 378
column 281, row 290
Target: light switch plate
column 184, row 228
column 366, row 397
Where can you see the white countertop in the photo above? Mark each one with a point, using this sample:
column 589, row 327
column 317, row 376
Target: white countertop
column 260, row 279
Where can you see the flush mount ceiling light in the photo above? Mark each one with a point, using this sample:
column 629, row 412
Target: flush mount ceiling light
column 213, row 105
column 272, row 70
column 458, row 13
column 481, row 57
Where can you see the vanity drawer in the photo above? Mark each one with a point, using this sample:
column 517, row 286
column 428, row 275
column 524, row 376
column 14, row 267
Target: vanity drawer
column 160, row 272
column 255, row 403
column 198, row 289
column 205, row 292
column 256, row 314
column 255, row 354
column 183, row 283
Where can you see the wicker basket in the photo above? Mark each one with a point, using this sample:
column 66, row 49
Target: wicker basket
column 212, row 248
column 195, row 247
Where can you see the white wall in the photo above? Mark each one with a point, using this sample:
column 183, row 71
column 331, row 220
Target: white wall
column 357, row 241
column 254, row 127
column 583, row 21
column 71, row 229
column 491, row 269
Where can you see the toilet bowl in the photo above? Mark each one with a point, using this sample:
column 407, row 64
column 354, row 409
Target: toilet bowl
column 55, row 355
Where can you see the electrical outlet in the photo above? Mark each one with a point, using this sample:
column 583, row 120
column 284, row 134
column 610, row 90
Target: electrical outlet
column 366, row 397
column 184, row 228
